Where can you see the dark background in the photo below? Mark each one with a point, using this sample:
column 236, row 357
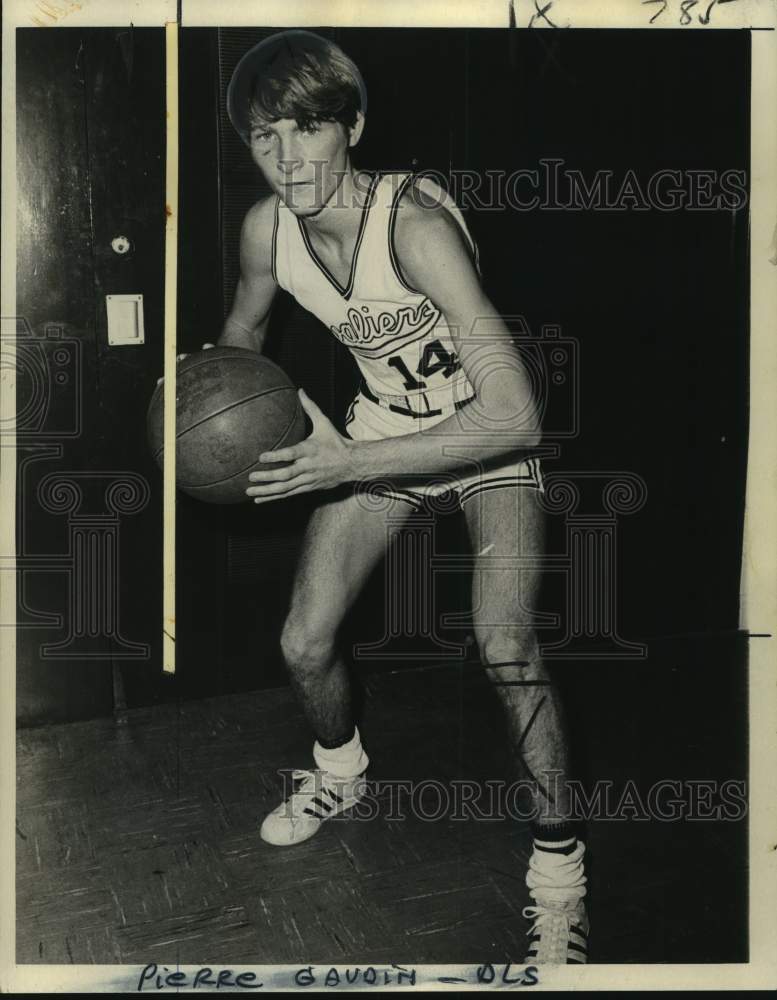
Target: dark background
column 657, row 302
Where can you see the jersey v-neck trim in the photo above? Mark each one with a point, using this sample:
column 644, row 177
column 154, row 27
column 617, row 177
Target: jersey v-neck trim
column 345, row 290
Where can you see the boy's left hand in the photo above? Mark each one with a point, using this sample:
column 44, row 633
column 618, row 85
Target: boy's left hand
column 320, row 462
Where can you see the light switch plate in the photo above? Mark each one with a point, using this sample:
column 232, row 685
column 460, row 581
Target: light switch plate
column 125, row 319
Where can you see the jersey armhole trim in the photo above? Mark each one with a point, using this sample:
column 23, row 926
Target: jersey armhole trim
column 274, row 249
column 391, row 227
column 475, row 253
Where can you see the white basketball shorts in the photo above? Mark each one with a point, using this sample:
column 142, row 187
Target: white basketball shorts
column 371, row 418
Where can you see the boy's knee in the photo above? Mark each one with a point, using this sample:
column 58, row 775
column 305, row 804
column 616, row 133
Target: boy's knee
column 518, row 647
column 306, row 645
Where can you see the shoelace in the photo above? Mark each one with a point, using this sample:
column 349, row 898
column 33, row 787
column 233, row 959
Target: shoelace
column 554, row 927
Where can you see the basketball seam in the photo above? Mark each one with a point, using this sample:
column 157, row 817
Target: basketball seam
column 240, row 359
column 226, row 409
column 285, row 433
column 239, row 472
column 239, row 402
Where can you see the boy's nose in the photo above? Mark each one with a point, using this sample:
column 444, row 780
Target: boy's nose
column 288, row 165
column 289, row 159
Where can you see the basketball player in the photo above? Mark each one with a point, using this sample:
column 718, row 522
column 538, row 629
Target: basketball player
column 385, row 261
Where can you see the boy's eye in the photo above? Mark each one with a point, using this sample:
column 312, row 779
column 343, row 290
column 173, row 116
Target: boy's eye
column 310, row 128
column 260, row 136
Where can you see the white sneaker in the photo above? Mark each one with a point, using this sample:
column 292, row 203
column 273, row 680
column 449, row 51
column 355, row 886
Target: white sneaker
column 319, row 796
column 559, row 934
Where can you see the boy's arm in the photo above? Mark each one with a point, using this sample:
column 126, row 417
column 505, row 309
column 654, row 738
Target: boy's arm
column 248, row 319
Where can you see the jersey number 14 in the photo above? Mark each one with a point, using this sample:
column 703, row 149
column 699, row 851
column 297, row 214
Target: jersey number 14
column 435, row 359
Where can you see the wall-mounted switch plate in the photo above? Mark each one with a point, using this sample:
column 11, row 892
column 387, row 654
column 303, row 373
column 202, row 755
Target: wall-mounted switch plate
column 125, row 319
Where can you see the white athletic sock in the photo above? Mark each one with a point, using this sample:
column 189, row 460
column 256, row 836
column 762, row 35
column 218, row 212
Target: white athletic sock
column 346, row 761
column 557, row 876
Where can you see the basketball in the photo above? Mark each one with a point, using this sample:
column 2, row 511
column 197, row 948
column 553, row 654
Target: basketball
column 231, row 406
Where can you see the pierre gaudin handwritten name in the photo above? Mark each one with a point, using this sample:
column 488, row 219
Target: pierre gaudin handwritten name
column 154, row 978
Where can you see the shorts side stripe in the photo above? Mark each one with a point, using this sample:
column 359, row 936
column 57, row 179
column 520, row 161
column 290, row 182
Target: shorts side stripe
column 503, row 482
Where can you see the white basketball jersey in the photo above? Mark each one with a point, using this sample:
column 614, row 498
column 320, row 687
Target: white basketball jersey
column 397, row 335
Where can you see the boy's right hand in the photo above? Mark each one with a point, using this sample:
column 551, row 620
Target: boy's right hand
column 180, row 357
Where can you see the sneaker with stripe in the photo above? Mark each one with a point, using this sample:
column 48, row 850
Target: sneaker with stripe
column 317, row 797
column 559, row 934
column 557, row 883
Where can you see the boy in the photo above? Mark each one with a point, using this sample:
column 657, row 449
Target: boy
column 386, row 262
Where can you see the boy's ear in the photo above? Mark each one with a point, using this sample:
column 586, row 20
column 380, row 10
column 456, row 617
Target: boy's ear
column 355, row 131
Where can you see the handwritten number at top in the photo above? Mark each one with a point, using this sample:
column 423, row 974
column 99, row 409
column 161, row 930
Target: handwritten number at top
column 686, row 6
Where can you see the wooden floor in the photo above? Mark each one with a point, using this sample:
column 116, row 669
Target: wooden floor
column 137, row 842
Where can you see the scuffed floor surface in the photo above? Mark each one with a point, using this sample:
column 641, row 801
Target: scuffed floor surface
column 138, row 842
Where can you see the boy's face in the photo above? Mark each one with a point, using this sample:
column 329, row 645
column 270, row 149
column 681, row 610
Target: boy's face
column 303, row 165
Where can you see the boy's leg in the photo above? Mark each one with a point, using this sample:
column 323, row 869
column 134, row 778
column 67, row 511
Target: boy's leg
column 343, row 543
column 509, row 522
